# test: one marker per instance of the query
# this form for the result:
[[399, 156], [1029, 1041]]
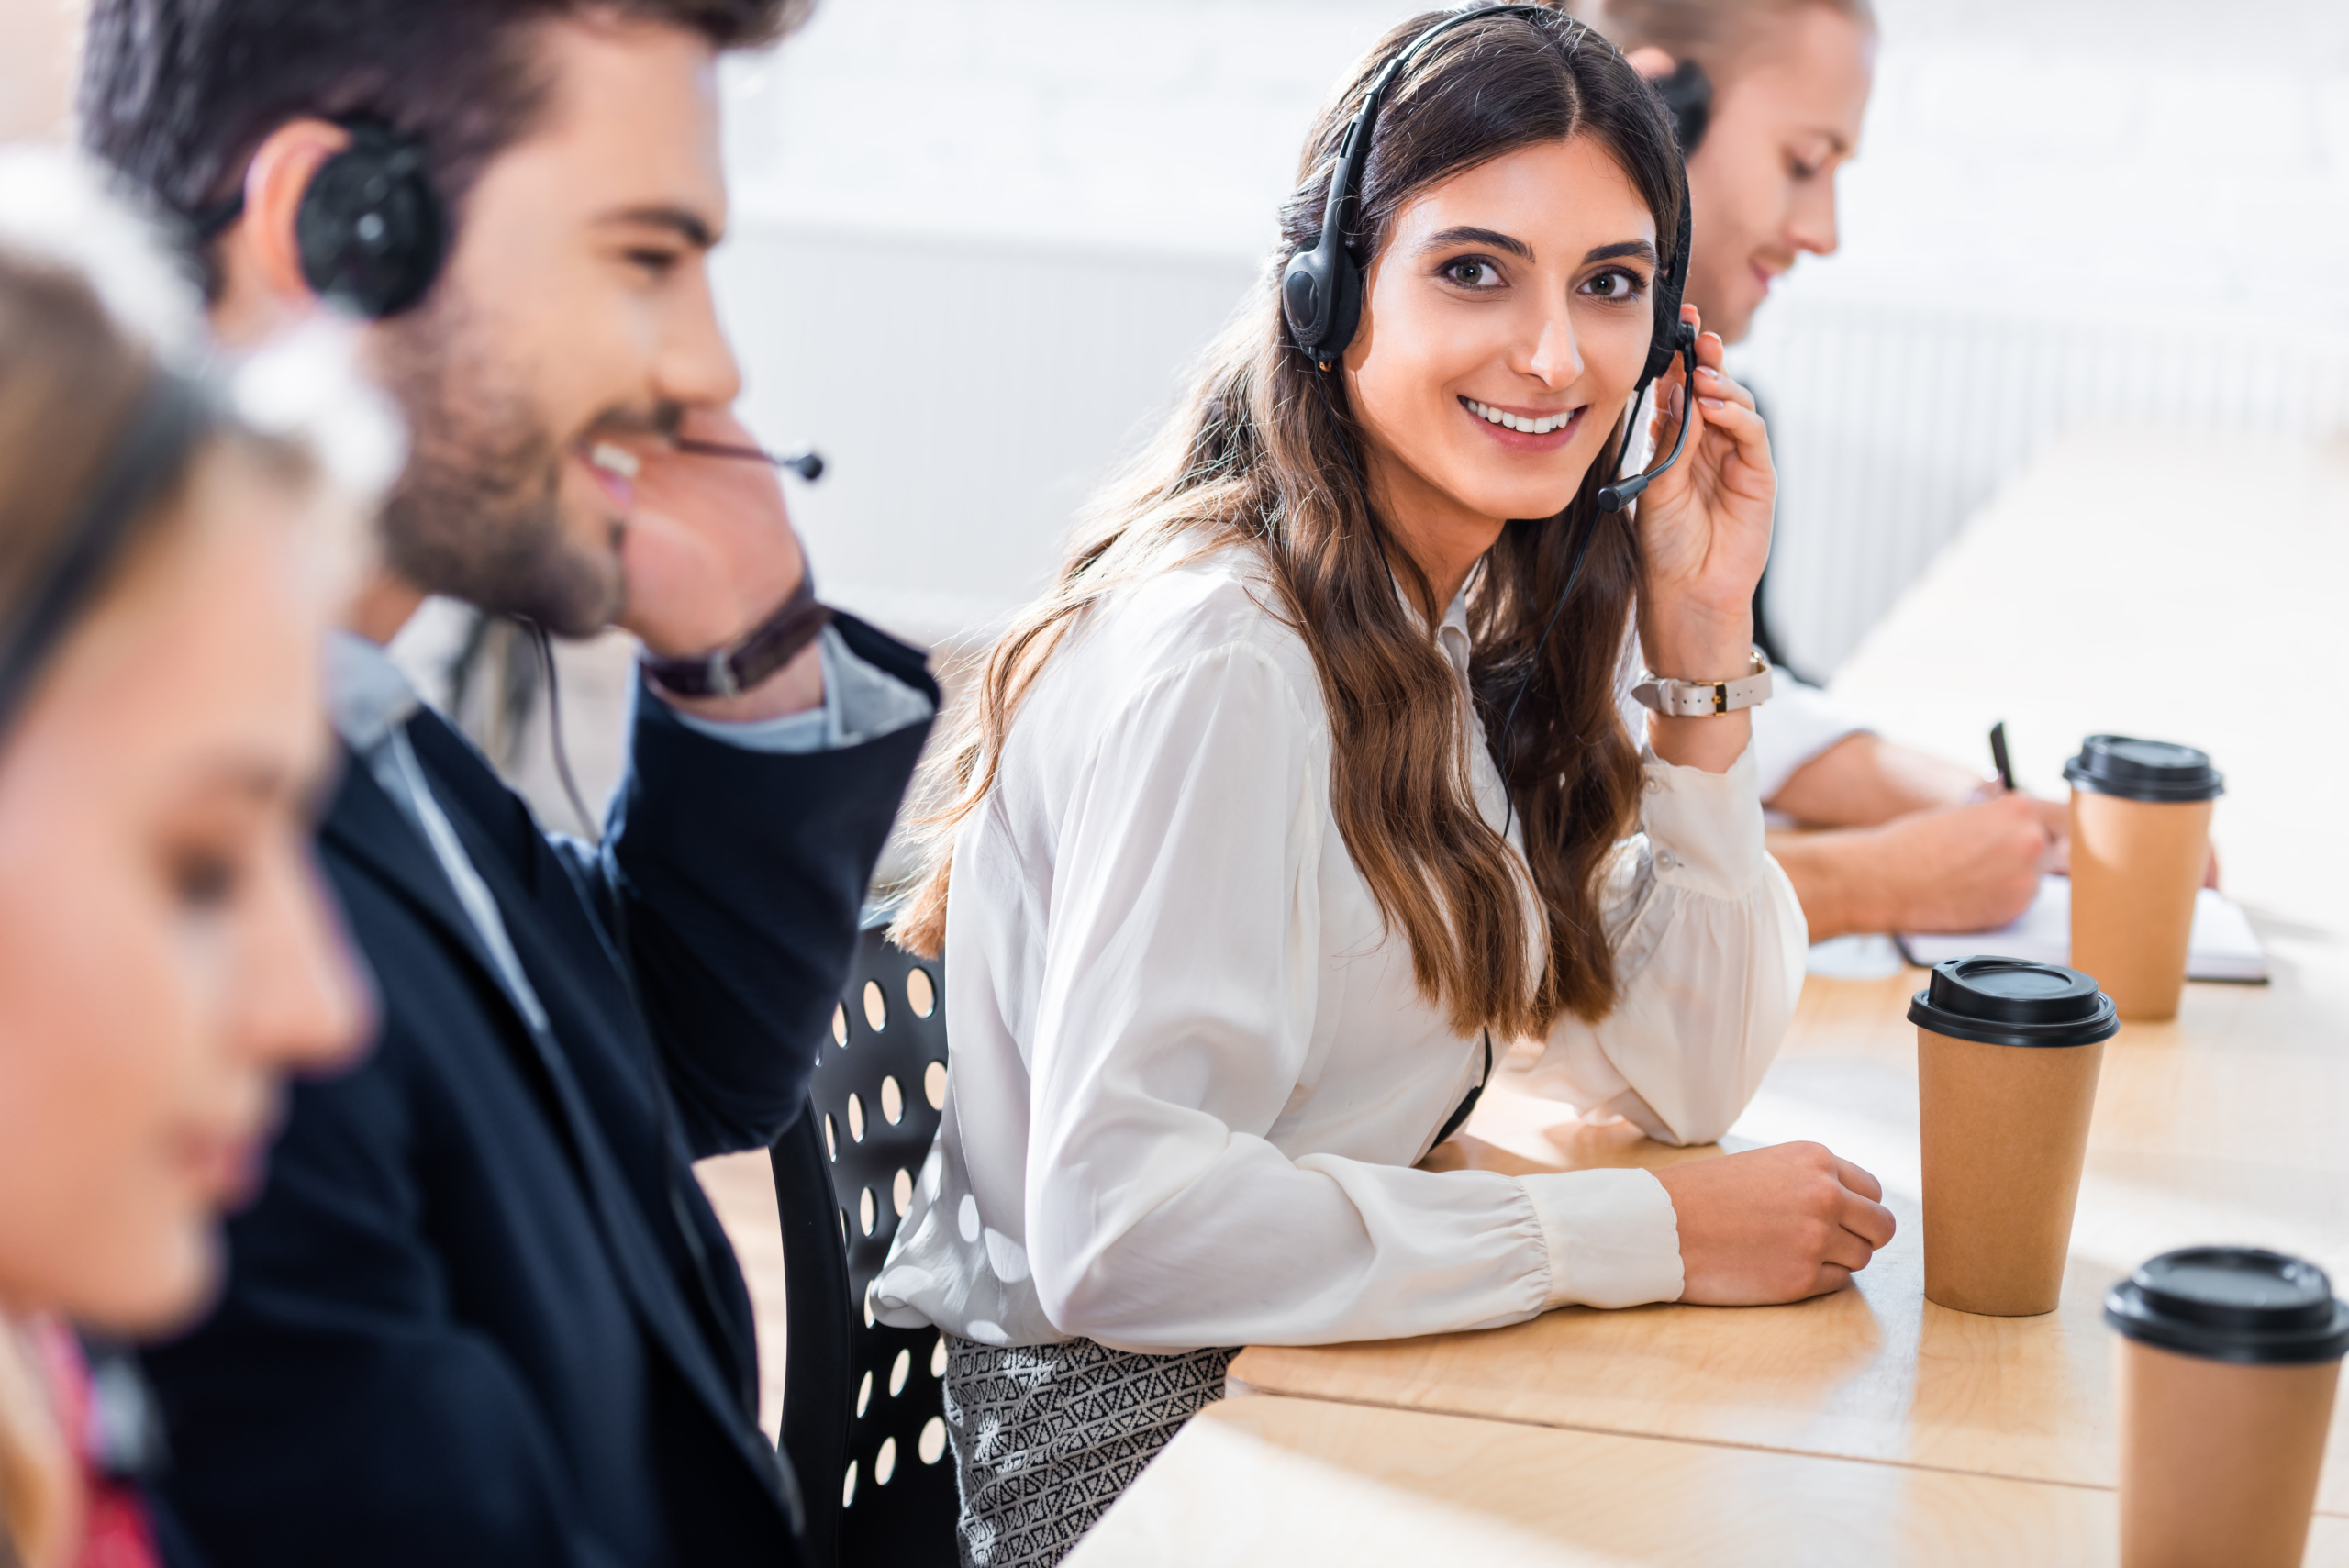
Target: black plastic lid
[[2232, 1304], [2144, 770], [2006, 1001]]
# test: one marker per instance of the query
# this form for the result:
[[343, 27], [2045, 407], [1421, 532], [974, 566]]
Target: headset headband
[[1354, 151], [171, 416]]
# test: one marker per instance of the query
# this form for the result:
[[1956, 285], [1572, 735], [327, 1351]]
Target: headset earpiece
[[1688, 95], [1670, 339], [1321, 286], [1671, 334], [1322, 296], [371, 231]]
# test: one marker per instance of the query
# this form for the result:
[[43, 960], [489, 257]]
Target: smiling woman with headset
[[1304, 793]]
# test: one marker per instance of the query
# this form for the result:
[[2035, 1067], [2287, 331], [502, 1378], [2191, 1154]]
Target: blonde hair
[[1717, 34]]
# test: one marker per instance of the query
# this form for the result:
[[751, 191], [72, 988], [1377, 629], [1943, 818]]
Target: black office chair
[[862, 1403]]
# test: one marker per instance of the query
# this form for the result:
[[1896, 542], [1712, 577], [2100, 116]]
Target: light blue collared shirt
[[371, 702]]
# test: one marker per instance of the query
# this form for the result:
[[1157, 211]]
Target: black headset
[[370, 230], [1687, 95], [1321, 288]]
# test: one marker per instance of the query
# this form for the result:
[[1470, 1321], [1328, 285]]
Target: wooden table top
[[1306, 1482], [2168, 618], [2185, 587], [2194, 1122]]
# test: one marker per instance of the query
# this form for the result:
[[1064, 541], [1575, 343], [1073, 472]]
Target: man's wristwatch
[[1701, 699], [768, 648]]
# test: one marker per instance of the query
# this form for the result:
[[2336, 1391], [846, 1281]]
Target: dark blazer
[[481, 1315]]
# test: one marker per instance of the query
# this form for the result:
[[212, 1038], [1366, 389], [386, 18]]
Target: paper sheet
[[2224, 947]]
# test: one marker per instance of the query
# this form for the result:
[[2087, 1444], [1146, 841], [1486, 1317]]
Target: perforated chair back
[[863, 1402]]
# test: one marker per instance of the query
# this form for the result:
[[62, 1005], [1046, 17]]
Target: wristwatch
[[768, 648], [1701, 699]]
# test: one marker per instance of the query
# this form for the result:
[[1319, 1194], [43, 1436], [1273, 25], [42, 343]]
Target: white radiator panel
[[968, 398]]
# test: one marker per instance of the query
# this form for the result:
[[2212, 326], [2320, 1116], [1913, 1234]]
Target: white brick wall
[[978, 240], [1165, 124], [2138, 156]]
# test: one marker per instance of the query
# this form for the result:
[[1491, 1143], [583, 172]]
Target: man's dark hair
[[177, 93]]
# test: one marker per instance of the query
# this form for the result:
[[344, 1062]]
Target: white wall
[[2069, 212], [980, 237], [978, 242], [967, 395]]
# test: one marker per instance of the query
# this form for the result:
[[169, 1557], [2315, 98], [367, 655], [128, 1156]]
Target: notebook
[[2224, 947]]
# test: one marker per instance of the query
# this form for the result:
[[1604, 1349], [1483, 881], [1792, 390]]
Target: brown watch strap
[[768, 648]]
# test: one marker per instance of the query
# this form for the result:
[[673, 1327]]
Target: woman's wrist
[[1712, 743], [1692, 644]]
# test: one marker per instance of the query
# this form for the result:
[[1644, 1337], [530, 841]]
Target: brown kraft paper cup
[[2003, 1123], [2141, 835], [2221, 1454], [2005, 1130], [2135, 867]]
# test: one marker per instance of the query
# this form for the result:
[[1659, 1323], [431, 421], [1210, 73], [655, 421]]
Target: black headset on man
[[372, 235], [370, 230]]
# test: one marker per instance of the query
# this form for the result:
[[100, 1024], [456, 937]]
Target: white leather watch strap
[[1701, 699]]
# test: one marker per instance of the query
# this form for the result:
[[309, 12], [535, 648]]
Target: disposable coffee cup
[[2227, 1361], [2007, 1060], [2141, 835]]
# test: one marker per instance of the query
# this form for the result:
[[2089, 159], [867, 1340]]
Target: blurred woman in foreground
[[167, 569]]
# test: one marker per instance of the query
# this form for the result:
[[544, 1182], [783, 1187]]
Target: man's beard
[[477, 513]]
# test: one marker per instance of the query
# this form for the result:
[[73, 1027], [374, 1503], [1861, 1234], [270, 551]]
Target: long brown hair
[[1262, 455]]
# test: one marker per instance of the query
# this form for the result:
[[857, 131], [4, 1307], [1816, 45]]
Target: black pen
[[1998, 755]]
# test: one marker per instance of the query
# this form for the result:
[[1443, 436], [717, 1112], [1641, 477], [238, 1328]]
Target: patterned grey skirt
[[1047, 1436]]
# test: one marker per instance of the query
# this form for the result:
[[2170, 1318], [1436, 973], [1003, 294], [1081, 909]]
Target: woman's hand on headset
[[1704, 536]]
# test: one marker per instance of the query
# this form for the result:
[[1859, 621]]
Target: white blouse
[[1191, 1073]]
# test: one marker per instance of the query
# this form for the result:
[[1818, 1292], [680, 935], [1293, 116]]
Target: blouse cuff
[[1612, 1236], [1706, 828]]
